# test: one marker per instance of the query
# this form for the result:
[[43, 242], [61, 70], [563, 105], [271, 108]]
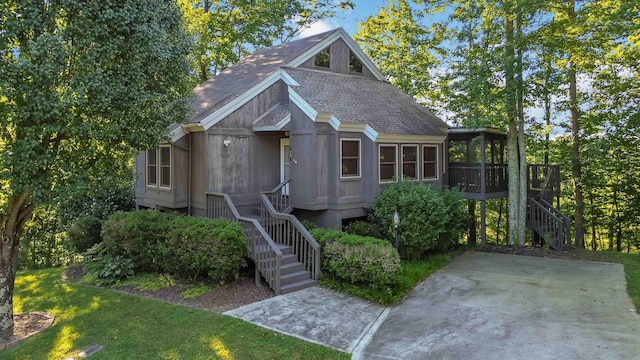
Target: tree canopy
[[83, 86]]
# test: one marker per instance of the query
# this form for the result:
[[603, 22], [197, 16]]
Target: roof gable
[[216, 98]]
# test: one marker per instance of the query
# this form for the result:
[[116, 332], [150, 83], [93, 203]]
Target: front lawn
[[132, 327], [412, 272]]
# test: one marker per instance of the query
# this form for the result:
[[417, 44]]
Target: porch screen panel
[[430, 162], [388, 163], [152, 167], [165, 166], [350, 158], [410, 162]]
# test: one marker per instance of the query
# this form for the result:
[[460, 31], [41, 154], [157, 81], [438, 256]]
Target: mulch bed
[[26, 325]]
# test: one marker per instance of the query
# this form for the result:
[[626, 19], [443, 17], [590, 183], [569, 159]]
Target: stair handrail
[[564, 218], [280, 202], [271, 272], [310, 261]]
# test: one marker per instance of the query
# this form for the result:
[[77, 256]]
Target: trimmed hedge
[[430, 219], [185, 246], [358, 259]]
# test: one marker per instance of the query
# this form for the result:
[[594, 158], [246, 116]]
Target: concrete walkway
[[481, 306]]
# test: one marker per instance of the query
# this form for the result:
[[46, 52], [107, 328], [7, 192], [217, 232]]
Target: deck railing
[[279, 197], [549, 222], [286, 229], [545, 180], [261, 247], [468, 177]]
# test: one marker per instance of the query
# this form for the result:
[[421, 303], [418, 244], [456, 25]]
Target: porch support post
[[483, 222]]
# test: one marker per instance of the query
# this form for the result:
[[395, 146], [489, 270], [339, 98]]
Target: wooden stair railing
[[286, 229], [262, 249], [281, 202], [549, 223]]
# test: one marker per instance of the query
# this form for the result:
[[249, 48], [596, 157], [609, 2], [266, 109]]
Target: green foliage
[[309, 225], [180, 245], [84, 233], [410, 274], [105, 269], [196, 290], [148, 281], [363, 228], [429, 219], [102, 201], [358, 259], [43, 245], [196, 246]]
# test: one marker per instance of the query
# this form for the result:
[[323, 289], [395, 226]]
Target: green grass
[[132, 327], [411, 273]]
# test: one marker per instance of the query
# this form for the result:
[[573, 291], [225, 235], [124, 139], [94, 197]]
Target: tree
[[226, 31], [84, 86]]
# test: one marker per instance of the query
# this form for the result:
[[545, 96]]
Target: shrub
[[104, 269], [309, 225], [136, 235], [43, 243], [84, 233], [196, 246], [358, 259], [363, 228], [180, 245], [429, 218]]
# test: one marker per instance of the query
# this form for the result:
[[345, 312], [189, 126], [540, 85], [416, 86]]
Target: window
[[322, 59], [165, 166], [429, 162], [159, 166], [350, 158], [152, 168], [388, 163], [410, 161], [354, 64]]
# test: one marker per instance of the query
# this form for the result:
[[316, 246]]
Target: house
[[311, 130], [315, 110]]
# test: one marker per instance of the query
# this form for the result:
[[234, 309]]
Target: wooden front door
[[285, 163]]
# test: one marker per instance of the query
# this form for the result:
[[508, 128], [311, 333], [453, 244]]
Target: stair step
[[286, 250], [291, 268], [286, 289], [294, 277]]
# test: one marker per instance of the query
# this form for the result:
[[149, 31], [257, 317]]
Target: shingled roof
[[360, 100], [231, 83]]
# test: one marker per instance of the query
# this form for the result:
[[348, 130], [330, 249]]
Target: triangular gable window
[[354, 64], [322, 59]]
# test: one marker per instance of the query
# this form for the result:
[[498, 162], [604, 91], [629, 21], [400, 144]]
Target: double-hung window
[[159, 167], [349, 158], [410, 161], [429, 162], [388, 163]]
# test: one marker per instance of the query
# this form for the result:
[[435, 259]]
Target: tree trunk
[[19, 211], [576, 167], [522, 158]]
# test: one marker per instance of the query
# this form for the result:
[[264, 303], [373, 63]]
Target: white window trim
[[437, 162], [160, 167], [395, 168], [418, 161], [146, 168], [359, 176]]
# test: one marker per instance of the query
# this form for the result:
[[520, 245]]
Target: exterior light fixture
[[226, 142], [396, 222]]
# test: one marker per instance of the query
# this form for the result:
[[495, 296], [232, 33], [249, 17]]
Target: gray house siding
[[198, 174]]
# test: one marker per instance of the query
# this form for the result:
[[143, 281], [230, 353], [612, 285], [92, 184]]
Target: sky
[[348, 20]]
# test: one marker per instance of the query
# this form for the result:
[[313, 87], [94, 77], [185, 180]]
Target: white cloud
[[318, 27]]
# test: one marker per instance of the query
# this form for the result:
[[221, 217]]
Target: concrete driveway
[[494, 306], [481, 306]]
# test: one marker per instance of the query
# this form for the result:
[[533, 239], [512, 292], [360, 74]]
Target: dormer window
[[355, 65], [322, 59]]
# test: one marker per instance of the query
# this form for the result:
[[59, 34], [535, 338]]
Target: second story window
[[322, 58], [350, 158], [159, 167], [354, 64], [387, 163]]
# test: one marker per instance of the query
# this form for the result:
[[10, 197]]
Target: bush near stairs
[[358, 259], [184, 246]]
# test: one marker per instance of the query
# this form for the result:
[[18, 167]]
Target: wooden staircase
[[285, 254], [548, 224]]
